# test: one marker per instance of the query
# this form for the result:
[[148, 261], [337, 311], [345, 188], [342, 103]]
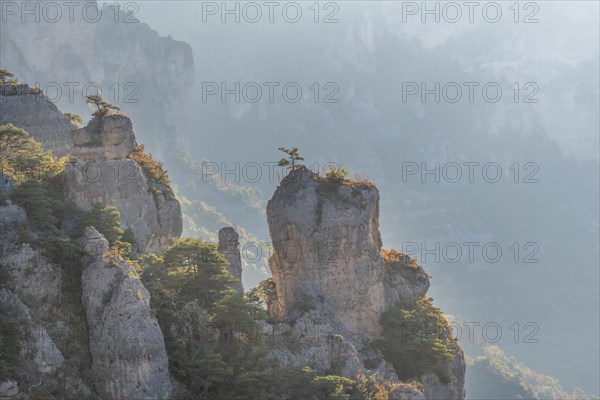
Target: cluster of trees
[[209, 333], [34, 173]]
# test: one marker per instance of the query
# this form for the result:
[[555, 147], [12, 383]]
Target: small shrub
[[336, 174], [73, 118], [151, 167]]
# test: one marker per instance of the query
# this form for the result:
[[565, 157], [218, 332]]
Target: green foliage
[[106, 220], [292, 157], [196, 270], [210, 334], [73, 118], [10, 339], [497, 375], [263, 294], [40, 203], [24, 159], [151, 167], [4, 75], [416, 340], [336, 174], [103, 106]]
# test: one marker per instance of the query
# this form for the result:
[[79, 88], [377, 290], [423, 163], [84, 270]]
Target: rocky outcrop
[[229, 247], [117, 53], [332, 283], [129, 360], [326, 246], [100, 172], [31, 110], [39, 330]]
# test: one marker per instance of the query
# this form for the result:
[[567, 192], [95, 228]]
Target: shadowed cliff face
[[332, 284]]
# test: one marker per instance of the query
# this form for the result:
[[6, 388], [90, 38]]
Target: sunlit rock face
[[332, 283], [101, 172], [326, 251], [129, 360]]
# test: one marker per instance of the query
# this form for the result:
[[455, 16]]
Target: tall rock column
[[129, 359], [326, 251], [332, 283], [229, 246]]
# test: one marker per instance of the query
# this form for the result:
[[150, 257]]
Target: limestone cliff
[[332, 285], [33, 111], [229, 246], [39, 314], [80, 326], [129, 360], [100, 168], [101, 172], [148, 76]]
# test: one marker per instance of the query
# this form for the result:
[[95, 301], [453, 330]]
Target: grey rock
[[455, 389], [129, 360], [104, 138], [229, 247], [12, 219], [326, 246], [8, 389], [332, 284], [27, 272], [40, 359], [130, 62], [6, 184], [38, 115], [100, 172]]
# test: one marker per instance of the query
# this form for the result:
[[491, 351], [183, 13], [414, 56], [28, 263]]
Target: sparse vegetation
[[416, 340], [74, 118], [393, 257], [24, 159], [151, 167], [497, 375], [335, 173], [5, 77], [103, 107], [292, 157]]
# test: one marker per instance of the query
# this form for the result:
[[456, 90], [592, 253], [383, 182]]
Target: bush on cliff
[[24, 159], [34, 173], [106, 220], [150, 166], [416, 340]]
